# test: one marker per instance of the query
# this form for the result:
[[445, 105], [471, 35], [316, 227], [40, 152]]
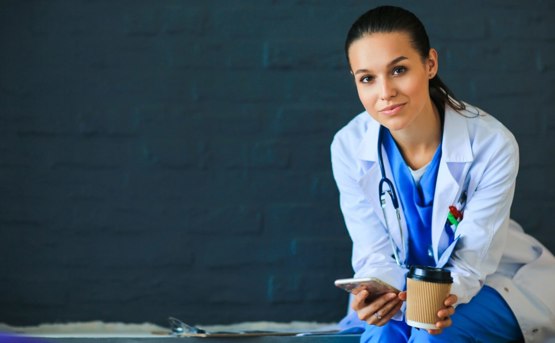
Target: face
[[392, 79]]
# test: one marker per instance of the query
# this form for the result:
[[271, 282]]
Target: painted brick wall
[[172, 157]]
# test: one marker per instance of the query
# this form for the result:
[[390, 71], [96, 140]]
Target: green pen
[[452, 219]]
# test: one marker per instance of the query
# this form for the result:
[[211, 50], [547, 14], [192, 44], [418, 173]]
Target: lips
[[392, 109]]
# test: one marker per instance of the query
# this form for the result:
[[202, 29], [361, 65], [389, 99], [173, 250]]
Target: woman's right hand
[[379, 311]]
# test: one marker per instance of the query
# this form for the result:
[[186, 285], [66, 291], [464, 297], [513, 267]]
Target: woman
[[453, 168]]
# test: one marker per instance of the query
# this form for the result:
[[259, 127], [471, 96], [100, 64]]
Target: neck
[[419, 141]]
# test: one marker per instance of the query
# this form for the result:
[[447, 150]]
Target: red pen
[[456, 213]]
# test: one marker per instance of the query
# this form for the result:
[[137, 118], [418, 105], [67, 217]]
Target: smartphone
[[374, 286]]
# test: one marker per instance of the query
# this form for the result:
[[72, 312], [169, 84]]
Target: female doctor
[[452, 168]]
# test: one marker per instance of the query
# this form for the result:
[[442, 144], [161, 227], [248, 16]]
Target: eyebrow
[[396, 60]]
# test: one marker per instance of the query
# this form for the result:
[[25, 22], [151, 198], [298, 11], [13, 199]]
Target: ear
[[432, 63]]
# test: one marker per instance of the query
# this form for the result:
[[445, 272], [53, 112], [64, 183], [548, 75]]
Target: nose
[[387, 89]]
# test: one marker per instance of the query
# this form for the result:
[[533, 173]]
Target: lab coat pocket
[[447, 253]]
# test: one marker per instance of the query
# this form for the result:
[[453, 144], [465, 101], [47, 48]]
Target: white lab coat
[[479, 158]]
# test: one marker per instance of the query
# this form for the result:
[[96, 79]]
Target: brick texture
[[172, 158]]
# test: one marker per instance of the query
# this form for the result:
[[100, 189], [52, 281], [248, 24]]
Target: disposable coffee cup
[[427, 289]]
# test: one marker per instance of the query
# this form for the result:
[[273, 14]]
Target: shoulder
[[350, 136], [490, 146], [485, 131]]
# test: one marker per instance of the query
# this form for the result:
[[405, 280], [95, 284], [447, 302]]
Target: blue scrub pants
[[486, 318]]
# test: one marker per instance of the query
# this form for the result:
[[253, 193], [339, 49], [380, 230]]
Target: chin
[[393, 124]]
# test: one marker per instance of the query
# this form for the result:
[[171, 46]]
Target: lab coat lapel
[[369, 182], [454, 166]]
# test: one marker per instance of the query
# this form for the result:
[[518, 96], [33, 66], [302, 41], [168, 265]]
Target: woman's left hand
[[444, 313]]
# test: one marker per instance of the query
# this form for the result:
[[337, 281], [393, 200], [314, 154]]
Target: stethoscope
[[386, 188]]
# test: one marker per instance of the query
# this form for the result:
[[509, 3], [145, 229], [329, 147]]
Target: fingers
[[379, 311], [359, 300], [390, 310], [442, 324], [446, 313], [451, 300]]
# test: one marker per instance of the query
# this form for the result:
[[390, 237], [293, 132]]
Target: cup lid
[[430, 274]]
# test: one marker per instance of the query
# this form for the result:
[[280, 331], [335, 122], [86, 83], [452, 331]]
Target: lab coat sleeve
[[372, 253], [484, 228]]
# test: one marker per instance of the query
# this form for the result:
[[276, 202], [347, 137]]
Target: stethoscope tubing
[[395, 202]]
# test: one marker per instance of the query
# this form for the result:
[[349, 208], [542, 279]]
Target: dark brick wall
[[171, 157]]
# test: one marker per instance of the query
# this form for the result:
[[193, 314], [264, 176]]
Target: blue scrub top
[[417, 201]]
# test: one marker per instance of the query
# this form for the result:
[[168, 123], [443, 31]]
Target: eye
[[399, 70], [366, 79]]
